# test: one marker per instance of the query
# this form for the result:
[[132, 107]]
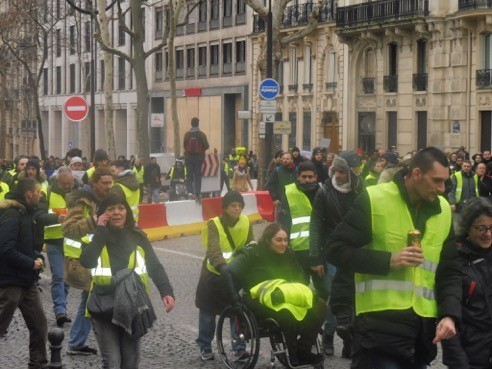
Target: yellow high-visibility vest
[[54, 231], [459, 186], [406, 287], [300, 212], [72, 248], [139, 174], [132, 198], [5, 188]]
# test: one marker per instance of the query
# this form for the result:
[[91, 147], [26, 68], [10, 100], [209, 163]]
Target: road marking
[[180, 253]]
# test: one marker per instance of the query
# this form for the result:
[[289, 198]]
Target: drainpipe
[[468, 87], [345, 122]]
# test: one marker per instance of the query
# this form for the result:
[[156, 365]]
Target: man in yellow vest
[[10, 176], [138, 169], [407, 292], [52, 213], [80, 221], [4, 189], [101, 159], [464, 187], [125, 181], [221, 236]]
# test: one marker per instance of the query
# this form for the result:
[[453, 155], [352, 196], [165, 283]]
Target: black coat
[[17, 240], [400, 333], [472, 349]]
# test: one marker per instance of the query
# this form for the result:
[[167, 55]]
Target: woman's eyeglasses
[[483, 229]]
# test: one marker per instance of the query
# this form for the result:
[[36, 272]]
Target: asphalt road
[[170, 344]]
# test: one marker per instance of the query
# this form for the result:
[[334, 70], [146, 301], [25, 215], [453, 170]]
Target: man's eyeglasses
[[483, 229]]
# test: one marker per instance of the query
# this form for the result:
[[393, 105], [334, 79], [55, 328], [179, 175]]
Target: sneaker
[[241, 355], [207, 354], [61, 319], [82, 351]]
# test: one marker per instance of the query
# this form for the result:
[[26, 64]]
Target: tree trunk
[[42, 147], [108, 82]]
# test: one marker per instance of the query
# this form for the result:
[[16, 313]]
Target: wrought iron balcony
[[292, 88], [330, 86], [381, 11], [474, 4], [298, 15], [420, 82], [307, 87], [390, 83], [484, 78], [368, 85]]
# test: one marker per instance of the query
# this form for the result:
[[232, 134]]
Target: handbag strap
[[228, 234]]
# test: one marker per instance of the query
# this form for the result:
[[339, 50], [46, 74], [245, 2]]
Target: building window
[[190, 62], [58, 43], [72, 45], [484, 75], [143, 22], [58, 9], [45, 81], [390, 81], [121, 32], [87, 36], [240, 57], [420, 78], [58, 80], [214, 60], [293, 132], [227, 9], [332, 72], [392, 128], [214, 14], [308, 66], [159, 26], [202, 16], [202, 61], [179, 63], [87, 76], [306, 130], [293, 63], [121, 74], [158, 66], [103, 71], [227, 58], [72, 78]]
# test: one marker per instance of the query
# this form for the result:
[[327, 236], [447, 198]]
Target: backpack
[[194, 143]]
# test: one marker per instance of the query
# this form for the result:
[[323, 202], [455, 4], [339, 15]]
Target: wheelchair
[[243, 329]]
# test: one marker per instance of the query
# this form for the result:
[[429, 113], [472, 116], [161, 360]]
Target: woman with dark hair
[[484, 181], [119, 254], [321, 169], [472, 348], [477, 159], [284, 298]]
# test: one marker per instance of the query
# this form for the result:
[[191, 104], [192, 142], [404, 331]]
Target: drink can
[[414, 238]]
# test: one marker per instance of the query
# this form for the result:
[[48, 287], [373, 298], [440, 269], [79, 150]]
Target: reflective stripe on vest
[[54, 231], [406, 287], [239, 234], [459, 186], [298, 298], [132, 198], [72, 248], [300, 211]]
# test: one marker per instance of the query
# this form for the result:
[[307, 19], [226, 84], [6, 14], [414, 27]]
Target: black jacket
[[472, 349], [17, 239], [399, 333], [152, 175]]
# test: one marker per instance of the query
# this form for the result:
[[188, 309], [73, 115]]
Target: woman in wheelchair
[[269, 271]]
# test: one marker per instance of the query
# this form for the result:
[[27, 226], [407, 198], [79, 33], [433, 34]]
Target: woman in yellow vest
[[221, 236], [115, 246], [271, 273]]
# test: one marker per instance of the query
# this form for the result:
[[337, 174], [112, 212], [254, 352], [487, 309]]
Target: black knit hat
[[100, 155], [33, 163], [230, 197], [115, 198]]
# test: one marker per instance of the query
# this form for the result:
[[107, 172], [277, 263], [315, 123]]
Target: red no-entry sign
[[76, 108]]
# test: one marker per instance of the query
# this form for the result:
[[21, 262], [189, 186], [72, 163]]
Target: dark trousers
[[29, 303], [308, 328], [194, 177]]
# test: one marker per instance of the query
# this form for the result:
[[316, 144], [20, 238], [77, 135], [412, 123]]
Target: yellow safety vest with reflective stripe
[[298, 298], [72, 248], [459, 186], [406, 287], [300, 212], [239, 234], [132, 198], [5, 188], [44, 187], [171, 173], [90, 172], [54, 231], [139, 174]]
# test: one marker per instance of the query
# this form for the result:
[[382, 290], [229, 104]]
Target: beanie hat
[[391, 156], [316, 150], [33, 163], [115, 198], [76, 159], [100, 155], [230, 197], [351, 157]]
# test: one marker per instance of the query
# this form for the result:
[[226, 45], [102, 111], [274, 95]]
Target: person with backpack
[[195, 144]]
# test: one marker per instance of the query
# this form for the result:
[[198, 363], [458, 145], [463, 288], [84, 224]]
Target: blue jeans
[[194, 177], [81, 327], [382, 361], [153, 195], [206, 332], [118, 349], [59, 289]]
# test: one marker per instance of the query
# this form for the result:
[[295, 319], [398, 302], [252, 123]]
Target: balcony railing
[[190, 28], [330, 86], [307, 87], [298, 15], [227, 69], [202, 26], [190, 72], [474, 4], [484, 78], [381, 11], [420, 82], [368, 85], [202, 71], [227, 21], [240, 67], [292, 88], [390, 83], [241, 18]]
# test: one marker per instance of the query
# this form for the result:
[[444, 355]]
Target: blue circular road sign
[[269, 89]]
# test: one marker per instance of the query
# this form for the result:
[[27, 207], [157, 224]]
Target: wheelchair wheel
[[279, 348], [238, 339]]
